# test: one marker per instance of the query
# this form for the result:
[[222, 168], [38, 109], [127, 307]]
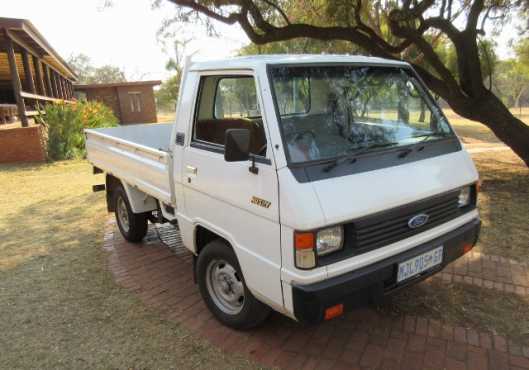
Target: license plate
[[418, 264]]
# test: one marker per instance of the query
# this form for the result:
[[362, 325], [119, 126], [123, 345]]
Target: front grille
[[391, 226], [381, 229]]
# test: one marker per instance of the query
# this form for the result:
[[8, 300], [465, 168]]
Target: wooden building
[[32, 75], [132, 102], [31, 72]]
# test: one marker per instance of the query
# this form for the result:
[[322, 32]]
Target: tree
[[512, 77], [402, 29], [89, 74], [174, 41], [168, 93]]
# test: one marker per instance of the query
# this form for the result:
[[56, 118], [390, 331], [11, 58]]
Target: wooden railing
[[40, 98]]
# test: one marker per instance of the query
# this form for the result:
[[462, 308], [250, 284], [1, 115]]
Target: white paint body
[[207, 191]]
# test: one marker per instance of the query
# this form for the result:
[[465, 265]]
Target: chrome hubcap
[[225, 287], [123, 215]]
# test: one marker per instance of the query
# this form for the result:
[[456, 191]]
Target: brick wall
[[147, 112], [24, 144], [130, 102]]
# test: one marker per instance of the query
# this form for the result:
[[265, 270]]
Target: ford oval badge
[[418, 220]]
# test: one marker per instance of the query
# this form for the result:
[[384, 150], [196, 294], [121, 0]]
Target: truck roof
[[255, 61]]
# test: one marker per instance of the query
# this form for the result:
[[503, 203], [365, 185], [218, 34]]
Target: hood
[[340, 199]]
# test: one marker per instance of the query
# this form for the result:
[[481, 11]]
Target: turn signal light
[[304, 240], [304, 249], [334, 311]]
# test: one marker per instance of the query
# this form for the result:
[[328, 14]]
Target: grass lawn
[[504, 197], [504, 204], [59, 306]]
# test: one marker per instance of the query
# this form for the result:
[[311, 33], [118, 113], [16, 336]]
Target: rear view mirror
[[237, 145]]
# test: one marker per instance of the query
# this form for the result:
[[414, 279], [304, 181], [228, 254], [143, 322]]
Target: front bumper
[[371, 283]]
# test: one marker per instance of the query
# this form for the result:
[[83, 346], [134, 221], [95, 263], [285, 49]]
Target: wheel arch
[[139, 201], [202, 236]]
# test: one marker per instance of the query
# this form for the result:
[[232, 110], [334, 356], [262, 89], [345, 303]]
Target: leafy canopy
[[90, 74]]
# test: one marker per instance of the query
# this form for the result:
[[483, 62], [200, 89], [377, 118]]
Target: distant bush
[[65, 124]]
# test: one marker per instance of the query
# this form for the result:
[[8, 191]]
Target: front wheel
[[133, 226], [222, 287]]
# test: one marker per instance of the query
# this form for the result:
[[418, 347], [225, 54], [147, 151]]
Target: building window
[[135, 102]]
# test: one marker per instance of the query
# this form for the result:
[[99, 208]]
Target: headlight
[[465, 197], [329, 240]]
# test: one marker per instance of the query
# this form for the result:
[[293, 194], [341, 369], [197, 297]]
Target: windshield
[[329, 111]]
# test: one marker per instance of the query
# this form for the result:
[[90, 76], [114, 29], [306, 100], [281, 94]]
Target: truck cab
[[306, 184]]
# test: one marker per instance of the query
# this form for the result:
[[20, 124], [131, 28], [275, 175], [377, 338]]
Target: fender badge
[[260, 202]]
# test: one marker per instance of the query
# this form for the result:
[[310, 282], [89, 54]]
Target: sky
[[124, 35]]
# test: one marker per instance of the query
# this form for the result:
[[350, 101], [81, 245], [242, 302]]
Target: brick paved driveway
[[160, 273]]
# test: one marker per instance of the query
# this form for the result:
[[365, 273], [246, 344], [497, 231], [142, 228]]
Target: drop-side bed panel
[[145, 167]]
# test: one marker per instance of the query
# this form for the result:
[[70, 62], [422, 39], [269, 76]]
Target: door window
[[228, 102]]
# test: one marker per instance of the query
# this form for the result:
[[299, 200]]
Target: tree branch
[[473, 16], [230, 19]]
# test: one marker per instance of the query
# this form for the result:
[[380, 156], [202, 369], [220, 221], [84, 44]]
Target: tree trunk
[[509, 129]]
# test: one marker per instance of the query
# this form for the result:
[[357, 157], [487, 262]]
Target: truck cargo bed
[[136, 154]]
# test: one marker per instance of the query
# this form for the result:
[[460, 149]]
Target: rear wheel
[[133, 226], [223, 288]]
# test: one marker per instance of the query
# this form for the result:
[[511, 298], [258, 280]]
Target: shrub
[[65, 124]]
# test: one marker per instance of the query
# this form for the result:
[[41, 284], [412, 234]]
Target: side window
[[236, 98], [228, 102]]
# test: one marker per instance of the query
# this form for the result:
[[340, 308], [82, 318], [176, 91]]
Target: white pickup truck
[[306, 184]]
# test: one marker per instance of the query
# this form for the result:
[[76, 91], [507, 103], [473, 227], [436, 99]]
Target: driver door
[[226, 197]]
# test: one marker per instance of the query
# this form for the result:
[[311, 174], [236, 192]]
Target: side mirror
[[237, 145]]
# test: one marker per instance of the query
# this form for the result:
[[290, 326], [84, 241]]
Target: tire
[[222, 285], [133, 226]]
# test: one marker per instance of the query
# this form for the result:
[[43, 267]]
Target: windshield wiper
[[425, 137], [353, 153]]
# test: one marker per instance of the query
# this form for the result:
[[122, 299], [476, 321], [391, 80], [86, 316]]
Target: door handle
[[191, 170]]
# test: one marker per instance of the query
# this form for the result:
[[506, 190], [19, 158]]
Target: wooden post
[[49, 85], [70, 90], [63, 87], [54, 84], [41, 89], [15, 79], [30, 83], [59, 86]]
